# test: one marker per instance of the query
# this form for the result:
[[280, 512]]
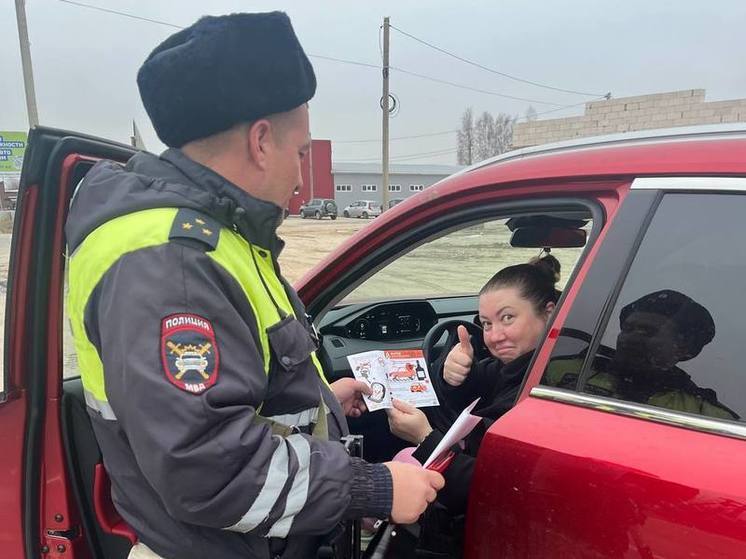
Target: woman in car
[[514, 307]]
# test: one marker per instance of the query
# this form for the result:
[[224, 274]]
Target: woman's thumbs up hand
[[459, 361]]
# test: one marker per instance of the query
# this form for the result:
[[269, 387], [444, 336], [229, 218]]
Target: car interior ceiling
[[83, 454]]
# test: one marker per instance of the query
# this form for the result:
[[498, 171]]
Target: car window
[[576, 334], [458, 263], [674, 338]]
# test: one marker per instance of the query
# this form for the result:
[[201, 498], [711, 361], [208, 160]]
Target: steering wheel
[[443, 416], [451, 327]]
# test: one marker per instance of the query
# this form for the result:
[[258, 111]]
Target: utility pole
[[28, 75], [385, 111], [136, 138], [310, 170]]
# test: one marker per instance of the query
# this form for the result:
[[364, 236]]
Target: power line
[[343, 61], [173, 25], [492, 70], [401, 157], [124, 14], [454, 131], [322, 57], [565, 107], [430, 154], [453, 84], [397, 138], [380, 42], [398, 159], [351, 62]]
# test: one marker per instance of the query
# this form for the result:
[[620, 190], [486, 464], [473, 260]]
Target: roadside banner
[[12, 150]]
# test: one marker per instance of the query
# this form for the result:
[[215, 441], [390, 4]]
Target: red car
[[595, 459]]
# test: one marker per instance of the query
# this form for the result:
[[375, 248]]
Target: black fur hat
[[693, 321], [221, 71]]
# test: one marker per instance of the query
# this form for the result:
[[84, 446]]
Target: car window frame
[[659, 186], [454, 220]]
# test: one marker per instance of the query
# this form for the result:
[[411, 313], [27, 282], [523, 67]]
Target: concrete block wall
[[626, 114]]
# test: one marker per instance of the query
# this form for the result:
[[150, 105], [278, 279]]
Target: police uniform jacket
[[186, 333]]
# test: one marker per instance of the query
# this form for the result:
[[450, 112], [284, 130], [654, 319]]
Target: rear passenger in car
[[514, 307]]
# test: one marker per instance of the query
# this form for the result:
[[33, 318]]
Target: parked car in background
[[318, 208], [393, 202], [363, 208], [627, 437]]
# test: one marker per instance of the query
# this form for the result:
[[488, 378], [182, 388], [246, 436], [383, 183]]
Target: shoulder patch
[[191, 224], [189, 352]]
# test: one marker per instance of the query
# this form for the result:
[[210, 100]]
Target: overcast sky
[[85, 61]]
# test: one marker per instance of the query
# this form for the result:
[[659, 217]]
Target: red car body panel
[[563, 481], [59, 510], [14, 410]]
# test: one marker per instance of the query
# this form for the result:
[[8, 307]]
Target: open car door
[[48, 457]]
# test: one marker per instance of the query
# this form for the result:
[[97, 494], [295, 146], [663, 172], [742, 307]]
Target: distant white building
[[362, 181]]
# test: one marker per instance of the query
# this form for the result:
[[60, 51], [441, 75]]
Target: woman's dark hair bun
[[547, 264], [535, 281]]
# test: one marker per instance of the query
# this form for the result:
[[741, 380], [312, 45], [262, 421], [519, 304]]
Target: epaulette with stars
[[191, 224]]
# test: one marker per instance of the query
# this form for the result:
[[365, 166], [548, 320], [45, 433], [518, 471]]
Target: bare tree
[[466, 138], [531, 113], [484, 136], [487, 137], [503, 133]]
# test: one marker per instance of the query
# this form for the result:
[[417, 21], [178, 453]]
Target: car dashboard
[[360, 327]]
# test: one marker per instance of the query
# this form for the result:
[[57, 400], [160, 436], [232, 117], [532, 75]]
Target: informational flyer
[[401, 374]]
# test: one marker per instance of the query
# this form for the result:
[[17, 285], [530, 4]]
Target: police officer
[[216, 425]]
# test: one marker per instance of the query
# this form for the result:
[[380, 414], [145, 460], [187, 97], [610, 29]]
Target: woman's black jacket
[[497, 385]]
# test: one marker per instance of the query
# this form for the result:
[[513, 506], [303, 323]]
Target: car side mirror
[[553, 237]]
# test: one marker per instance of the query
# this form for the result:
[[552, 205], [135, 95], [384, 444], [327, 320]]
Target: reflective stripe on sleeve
[[99, 406], [277, 475], [300, 419], [299, 491]]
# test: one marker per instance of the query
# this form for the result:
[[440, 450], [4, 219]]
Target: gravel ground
[[307, 241]]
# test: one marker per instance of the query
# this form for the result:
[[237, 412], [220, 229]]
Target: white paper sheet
[[463, 425]]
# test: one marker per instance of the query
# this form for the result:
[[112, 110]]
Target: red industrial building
[[317, 175]]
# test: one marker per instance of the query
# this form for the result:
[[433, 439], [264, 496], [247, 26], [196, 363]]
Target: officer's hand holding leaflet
[[349, 392]]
